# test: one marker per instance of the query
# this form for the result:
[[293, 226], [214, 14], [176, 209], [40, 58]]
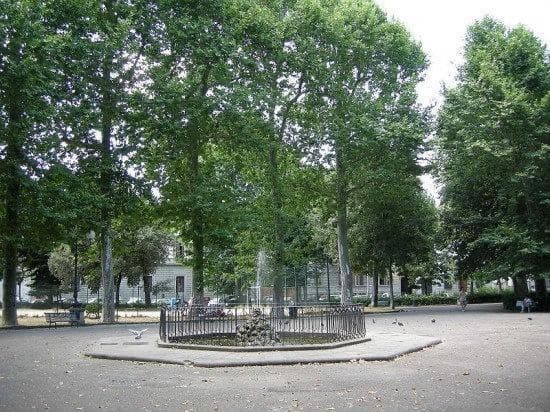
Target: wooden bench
[[59, 317]]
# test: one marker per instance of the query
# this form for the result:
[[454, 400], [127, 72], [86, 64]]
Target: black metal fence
[[293, 324]]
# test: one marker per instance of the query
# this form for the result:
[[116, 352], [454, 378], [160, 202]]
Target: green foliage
[[492, 158], [61, 265], [362, 301], [93, 309], [425, 300], [509, 299], [161, 287], [486, 295]]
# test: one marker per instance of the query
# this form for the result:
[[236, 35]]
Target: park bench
[[59, 317], [520, 305]]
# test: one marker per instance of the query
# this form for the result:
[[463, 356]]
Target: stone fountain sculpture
[[257, 331]]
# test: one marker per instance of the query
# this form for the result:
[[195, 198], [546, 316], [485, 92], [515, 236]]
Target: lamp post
[[76, 309]]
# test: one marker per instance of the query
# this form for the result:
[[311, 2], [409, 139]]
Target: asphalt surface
[[489, 360]]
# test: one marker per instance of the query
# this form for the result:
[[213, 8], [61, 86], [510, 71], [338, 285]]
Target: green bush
[[509, 299], [425, 300], [485, 295], [362, 301], [93, 308]]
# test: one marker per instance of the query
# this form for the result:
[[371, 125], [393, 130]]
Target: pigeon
[[400, 324], [433, 320], [394, 321], [138, 333], [530, 318], [373, 321]]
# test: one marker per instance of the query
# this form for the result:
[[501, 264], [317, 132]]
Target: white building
[[177, 278]]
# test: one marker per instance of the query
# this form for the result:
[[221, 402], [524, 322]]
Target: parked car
[[134, 300], [173, 302], [216, 302]]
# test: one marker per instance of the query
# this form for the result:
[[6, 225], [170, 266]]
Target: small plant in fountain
[[257, 331]]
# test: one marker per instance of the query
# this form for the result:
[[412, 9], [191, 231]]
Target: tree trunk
[[118, 282], [278, 226], [405, 287], [197, 223], [198, 260], [540, 293], [374, 301], [390, 274], [328, 279], [520, 286], [108, 312], [540, 286], [342, 229], [147, 290], [75, 273], [197, 236], [107, 109], [12, 166]]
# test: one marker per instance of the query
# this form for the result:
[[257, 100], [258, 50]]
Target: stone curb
[[288, 348], [337, 355]]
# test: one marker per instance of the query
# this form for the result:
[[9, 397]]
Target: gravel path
[[489, 360]]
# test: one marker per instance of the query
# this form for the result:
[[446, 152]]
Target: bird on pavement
[[400, 324], [433, 320], [138, 333], [394, 321], [373, 321], [530, 318]]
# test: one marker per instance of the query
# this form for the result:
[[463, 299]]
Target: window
[[360, 280], [383, 280]]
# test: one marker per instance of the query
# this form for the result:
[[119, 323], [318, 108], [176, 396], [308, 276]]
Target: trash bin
[[77, 314]]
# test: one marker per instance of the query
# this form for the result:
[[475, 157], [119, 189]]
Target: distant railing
[[329, 323]]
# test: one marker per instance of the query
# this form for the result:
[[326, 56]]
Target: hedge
[[482, 296]]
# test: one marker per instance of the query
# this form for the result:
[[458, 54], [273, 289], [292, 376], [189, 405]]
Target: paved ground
[[489, 359]]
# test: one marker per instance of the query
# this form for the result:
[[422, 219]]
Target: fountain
[[261, 324]]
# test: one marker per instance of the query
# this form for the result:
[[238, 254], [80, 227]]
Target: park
[[245, 204]]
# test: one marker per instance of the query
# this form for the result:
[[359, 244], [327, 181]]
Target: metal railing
[[329, 323]]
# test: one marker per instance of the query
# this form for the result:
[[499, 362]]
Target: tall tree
[[368, 61], [189, 67], [31, 39], [492, 147], [109, 39]]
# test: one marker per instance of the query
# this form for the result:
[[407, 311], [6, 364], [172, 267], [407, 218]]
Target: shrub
[[425, 300], [485, 295], [93, 309], [365, 301], [509, 299]]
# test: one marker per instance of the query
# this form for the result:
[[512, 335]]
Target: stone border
[[381, 347], [281, 348]]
